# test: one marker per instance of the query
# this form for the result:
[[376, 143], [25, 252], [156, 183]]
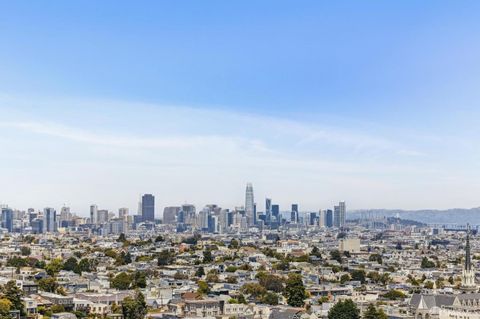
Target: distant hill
[[428, 216]]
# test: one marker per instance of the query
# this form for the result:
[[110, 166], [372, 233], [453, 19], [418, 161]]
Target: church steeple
[[468, 274], [468, 261]]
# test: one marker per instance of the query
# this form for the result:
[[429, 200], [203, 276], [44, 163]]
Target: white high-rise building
[[65, 216], [321, 217], [339, 214], [250, 205], [93, 214], [123, 216], [102, 216], [123, 213]]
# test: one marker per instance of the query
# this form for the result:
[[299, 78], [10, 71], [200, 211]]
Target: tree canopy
[[344, 310]]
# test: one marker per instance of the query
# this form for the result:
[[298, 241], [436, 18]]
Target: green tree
[[283, 265], [316, 252], [344, 310], [270, 281], [16, 262], [122, 238], [121, 281], [426, 263], [439, 283], [241, 299], [25, 251], [57, 308], [231, 269], [111, 253], [165, 258], [134, 308], [124, 258], [200, 272], [344, 278], [48, 284], [139, 279], [376, 257], [14, 295], [255, 290], [270, 298], [373, 313], [428, 284], [335, 255], [234, 244], [54, 266], [295, 290], [203, 287], [207, 256], [71, 264], [359, 275], [394, 295], [5, 307]]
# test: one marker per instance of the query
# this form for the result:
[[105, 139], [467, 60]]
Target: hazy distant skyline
[[372, 103]]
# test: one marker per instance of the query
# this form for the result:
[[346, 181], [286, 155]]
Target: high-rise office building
[[312, 219], [65, 217], [170, 214], [276, 212], [123, 217], [336, 216], [102, 216], [203, 217], [7, 218], [250, 205], [49, 220], [148, 208], [268, 210], [93, 214], [189, 213], [321, 217], [294, 214], [123, 213], [343, 213], [329, 218], [339, 213], [37, 226], [32, 215]]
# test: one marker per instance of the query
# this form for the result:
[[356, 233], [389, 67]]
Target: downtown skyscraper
[[339, 214], [250, 205], [148, 208]]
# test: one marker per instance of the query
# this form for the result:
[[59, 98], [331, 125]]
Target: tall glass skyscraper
[[250, 205], [329, 218], [7, 218], [268, 210], [49, 220], [294, 214], [339, 215], [148, 208]]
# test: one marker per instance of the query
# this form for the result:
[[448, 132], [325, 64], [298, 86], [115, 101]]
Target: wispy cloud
[[181, 150], [118, 140]]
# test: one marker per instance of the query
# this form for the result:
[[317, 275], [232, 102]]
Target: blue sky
[[372, 102]]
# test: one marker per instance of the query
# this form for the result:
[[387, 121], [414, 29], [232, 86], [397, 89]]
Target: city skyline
[[239, 159], [315, 103], [159, 211]]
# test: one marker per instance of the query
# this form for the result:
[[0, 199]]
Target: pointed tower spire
[[468, 274], [468, 261]]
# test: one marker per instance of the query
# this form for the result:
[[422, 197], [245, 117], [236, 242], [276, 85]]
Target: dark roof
[[431, 301]]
